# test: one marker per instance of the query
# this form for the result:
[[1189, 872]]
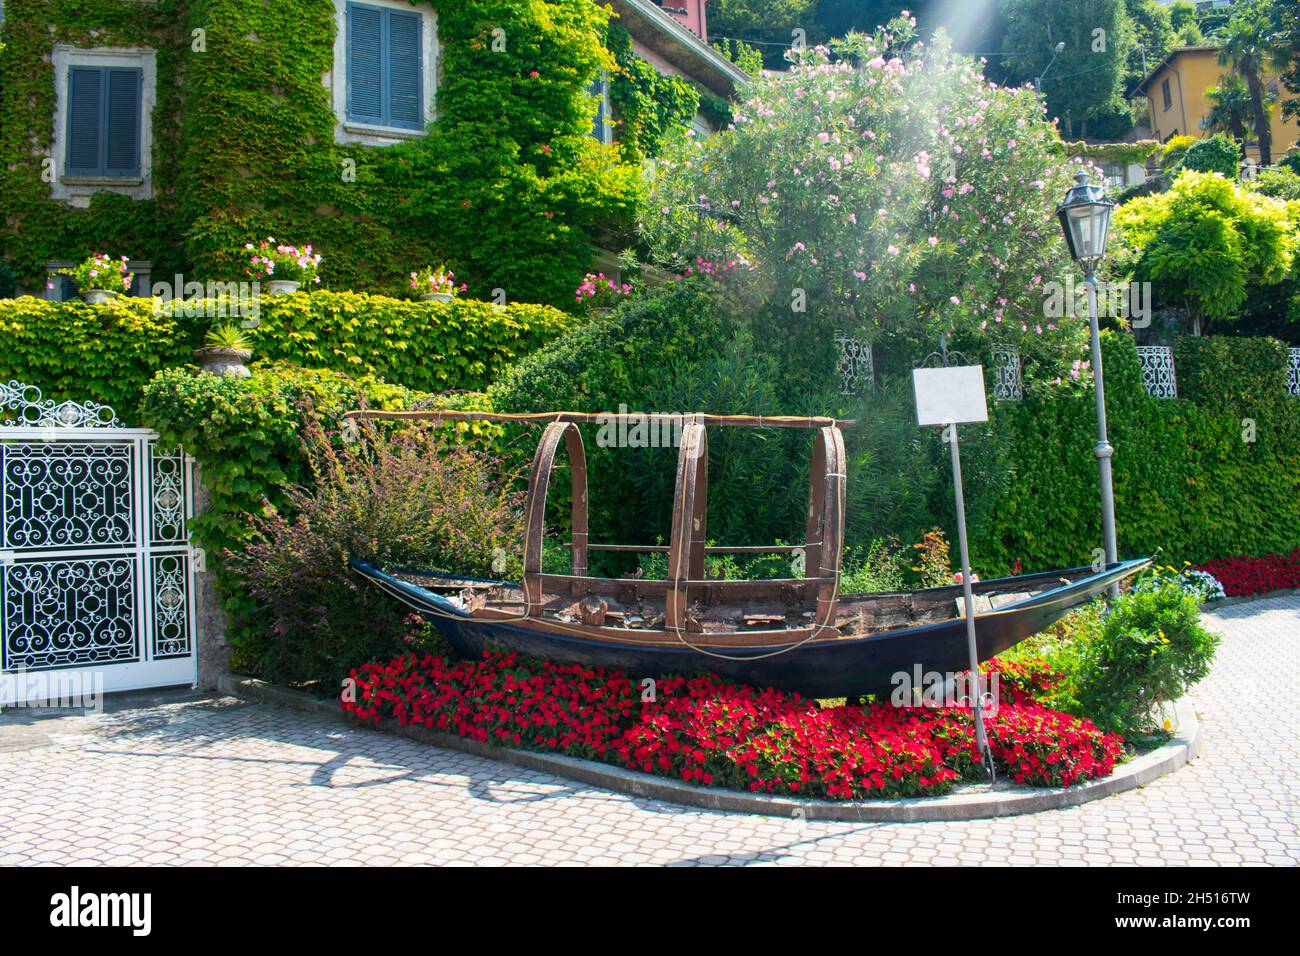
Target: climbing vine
[[647, 104], [506, 186]]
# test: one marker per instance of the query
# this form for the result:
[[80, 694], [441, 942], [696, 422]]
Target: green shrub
[[1117, 664], [1149, 651], [403, 497], [245, 435], [1280, 183], [879, 567], [1217, 154], [1204, 244], [847, 208], [1232, 374], [1172, 153], [427, 346], [683, 349]]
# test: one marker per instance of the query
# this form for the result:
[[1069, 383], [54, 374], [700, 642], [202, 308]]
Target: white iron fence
[[96, 569], [855, 365], [1008, 383], [1158, 370]]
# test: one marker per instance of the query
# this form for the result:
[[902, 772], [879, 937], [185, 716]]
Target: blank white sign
[[952, 395]]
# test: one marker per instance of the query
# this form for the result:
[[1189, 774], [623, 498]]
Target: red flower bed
[[1242, 576], [712, 732]]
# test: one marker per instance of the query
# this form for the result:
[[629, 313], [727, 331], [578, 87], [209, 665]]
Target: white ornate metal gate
[[96, 570]]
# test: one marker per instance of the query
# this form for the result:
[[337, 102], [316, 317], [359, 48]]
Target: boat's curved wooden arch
[[539, 481]]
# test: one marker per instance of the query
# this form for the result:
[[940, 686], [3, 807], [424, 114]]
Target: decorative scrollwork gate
[[96, 569]]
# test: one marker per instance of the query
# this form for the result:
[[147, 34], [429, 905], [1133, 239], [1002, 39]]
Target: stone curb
[[1002, 800], [1248, 598]]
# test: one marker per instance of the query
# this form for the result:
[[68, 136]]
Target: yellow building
[[1176, 100]]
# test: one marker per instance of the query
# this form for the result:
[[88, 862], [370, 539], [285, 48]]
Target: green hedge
[[429, 346], [103, 353], [107, 353], [1187, 479]]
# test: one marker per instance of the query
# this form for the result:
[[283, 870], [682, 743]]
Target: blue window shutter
[[403, 69], [597, 89], [85, 119], [365, 63], [122, 122]]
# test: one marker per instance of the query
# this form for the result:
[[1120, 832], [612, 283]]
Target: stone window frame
[[336, 78], [76, 190]]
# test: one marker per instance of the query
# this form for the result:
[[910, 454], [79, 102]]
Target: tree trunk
[[1263, 133]]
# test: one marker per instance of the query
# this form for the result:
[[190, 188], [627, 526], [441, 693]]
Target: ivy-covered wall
[[35, 228], [507, 186]]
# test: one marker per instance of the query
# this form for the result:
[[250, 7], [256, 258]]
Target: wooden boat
[[796, 634]]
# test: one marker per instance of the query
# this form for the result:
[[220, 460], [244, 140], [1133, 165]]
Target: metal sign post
[[949, 396]]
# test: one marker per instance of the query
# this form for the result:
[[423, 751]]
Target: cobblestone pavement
[[206, 780]]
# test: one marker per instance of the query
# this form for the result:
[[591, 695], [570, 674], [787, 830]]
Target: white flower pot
[[283, 286], [436, 297], [97, 296]]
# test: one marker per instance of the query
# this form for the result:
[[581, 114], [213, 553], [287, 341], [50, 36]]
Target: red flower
[[712, 732]]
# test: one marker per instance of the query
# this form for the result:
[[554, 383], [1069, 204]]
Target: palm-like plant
[[1231, 110], [1246, 47]]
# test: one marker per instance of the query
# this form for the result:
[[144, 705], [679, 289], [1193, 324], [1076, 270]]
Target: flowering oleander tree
[[880, 186]]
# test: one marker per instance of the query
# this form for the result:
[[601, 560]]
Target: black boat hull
[[843, 667]]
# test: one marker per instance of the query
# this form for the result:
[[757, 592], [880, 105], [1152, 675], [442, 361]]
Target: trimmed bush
[[108, 353], [103, 353], [1214, 473], [427, 346], [1217, 154]]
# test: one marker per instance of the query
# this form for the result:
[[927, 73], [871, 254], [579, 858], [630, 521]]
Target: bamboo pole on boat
[[604, 418]]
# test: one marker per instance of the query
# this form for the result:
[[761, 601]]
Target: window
[[1114, 173], [104, 108], [602, 127], [384, 67], [101, 138], [1166, 94]]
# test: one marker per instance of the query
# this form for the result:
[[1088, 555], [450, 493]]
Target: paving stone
[[224, 783]]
